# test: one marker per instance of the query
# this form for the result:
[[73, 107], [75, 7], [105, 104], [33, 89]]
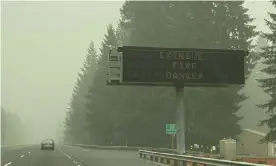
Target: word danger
[[184, 75]]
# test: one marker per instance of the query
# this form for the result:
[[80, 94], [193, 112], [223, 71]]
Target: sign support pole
[[172, 142], [4, 130], [180, 111]]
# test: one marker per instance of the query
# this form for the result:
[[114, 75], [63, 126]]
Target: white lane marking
[[21, 156], [8, 164], [74, 161], [29, 152], [67, 155]]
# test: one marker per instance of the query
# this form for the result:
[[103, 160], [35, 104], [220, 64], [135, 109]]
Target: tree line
[[136, 116], [12, 129], [269, 84]]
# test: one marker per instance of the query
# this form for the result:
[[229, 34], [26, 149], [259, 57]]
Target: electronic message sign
[[147, 65]]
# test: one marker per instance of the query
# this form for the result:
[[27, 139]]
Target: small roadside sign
[[171, 129]]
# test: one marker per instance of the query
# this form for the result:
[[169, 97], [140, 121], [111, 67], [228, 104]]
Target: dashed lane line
[[67, 155], [8, 164], [11, 162], [78, 163], [74, 161]]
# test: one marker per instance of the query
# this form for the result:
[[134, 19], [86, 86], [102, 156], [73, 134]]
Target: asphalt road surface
[[31, 155]]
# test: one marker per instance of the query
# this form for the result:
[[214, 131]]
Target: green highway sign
[[171, 129]]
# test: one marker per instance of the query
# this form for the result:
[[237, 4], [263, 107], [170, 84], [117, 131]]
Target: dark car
[[47, 144]]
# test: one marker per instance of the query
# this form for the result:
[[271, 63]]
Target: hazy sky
[[44, 45]]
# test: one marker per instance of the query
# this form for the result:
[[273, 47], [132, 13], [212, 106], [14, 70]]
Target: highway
[[31, 155]]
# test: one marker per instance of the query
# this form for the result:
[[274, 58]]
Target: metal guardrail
[[167, 156], [183, 160], [165, 150]]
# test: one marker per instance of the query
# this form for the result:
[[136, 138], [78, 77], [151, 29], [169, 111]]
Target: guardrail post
[[151, 157], [176, 162], [183, 163], [168, 161], [164, 161], [156, 158], [159, 160]]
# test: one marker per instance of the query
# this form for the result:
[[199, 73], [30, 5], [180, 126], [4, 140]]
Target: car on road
[[48, 144]]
